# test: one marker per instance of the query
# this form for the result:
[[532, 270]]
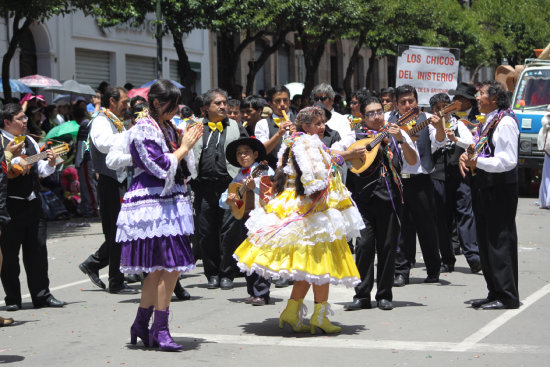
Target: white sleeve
[[44, 169], [505, 139], [119, 155], [102, 134], [465, 139], [261, 131], [436, 144]]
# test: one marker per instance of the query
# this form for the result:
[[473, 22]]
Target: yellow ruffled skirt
[[293, 237]]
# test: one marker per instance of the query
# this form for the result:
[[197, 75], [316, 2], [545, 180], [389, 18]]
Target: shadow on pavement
[[270, 327], [6, 358], [188, 344]]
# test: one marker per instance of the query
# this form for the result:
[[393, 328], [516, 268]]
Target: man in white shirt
[[325, 94], [418, 194], [27, 228], [106, 132], [271, 130], [453, 196], [494, 167]]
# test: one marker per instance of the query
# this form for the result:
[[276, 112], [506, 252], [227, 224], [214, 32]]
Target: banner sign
[[430, 70]]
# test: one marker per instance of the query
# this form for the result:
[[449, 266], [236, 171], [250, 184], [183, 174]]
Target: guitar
[[413, 128], [245, 202], [372, 144], [471, 152], [16, 169]]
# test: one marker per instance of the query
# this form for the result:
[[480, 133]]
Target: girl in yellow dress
[[302, 233]]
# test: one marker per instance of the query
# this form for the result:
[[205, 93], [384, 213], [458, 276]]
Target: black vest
[[446, 160], [423, 144], [23, 185], [483, 179], [272, 156]]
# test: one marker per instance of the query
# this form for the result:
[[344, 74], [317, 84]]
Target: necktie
[[216, 125], [245, 171]]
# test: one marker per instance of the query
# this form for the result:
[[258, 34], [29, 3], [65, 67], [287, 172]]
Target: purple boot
[[159, 335], [140, 327]]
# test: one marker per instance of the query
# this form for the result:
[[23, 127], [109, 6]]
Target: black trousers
[[380, 237], [453, 199], [109, 195], [208, 223], [495, 214], [419, 217], [232, 234], [27, 229]]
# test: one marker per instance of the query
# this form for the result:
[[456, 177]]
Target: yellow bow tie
[[216, 125], [277, 121]]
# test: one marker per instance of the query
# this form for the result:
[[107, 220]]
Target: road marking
[[340, 342], [489, 328], [68, 285]]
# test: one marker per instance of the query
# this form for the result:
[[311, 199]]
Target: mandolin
[[245, 202], [360, 165], [413, 128], [16, 169]]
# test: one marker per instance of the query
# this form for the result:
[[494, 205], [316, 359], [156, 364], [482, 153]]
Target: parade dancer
[[156, 218], [302, 233]]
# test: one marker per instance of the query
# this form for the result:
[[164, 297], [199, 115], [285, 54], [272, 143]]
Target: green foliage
[[38, 10]]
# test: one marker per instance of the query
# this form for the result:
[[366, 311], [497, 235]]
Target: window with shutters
[[139, 69], [92, 67]]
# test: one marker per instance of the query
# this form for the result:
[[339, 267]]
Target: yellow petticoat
[[314, 248]]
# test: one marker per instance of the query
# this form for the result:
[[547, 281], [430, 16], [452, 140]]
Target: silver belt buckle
[[405, 175]]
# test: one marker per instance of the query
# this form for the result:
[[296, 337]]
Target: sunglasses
[[322, 99]]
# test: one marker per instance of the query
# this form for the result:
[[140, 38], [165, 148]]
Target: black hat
[[255, 144], [465, 90], [320, 104]]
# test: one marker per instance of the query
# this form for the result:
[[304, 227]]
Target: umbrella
[[295, 88], [148, 84], [138, 92], [72, 87], [65, 131], [39, 81], [16, 87]]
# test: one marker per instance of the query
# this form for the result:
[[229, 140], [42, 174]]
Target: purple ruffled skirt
[[154, 230]]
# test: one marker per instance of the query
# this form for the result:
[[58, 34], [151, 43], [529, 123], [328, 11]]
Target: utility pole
[[159, 39]]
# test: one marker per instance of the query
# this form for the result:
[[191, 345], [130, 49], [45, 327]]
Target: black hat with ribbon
[[465, 90], [255, 144]]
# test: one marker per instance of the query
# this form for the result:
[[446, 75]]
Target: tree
[[24, 13]]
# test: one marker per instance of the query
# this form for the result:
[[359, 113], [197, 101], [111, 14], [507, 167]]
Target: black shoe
[[282, 283], [93, 275], [258, 301], [400, 281], [358, 304], [431, 280], [457, 251], [447, 268], [53, 302], [475, 267], [493, 305], [12, 308], [226, 284], [181, 293], [124, 289], [385, 305], [131, 278], [213, 282], [479, 302]]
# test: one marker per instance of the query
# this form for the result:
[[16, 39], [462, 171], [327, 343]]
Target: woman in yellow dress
[[302, 233]]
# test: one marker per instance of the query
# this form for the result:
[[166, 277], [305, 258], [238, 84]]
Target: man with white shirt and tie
[[106, 132], [271, 130], [211, 176], [494, 169], [419, 216]]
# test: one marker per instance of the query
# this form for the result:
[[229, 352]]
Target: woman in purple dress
[[156, 217]]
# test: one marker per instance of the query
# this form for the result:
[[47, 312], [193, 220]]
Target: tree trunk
[[476, 70], [370, 72], [351, 65], [255, 66], [6, 60], [313, 51], [187, 75]]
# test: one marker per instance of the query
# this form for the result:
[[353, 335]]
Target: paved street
[[431, 325]]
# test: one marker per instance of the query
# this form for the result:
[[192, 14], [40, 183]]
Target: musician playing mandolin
[[378, 196], [27, 228], [244, 153]]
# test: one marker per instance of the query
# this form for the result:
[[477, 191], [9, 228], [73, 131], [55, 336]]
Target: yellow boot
[[319, 319], [293, 315]]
